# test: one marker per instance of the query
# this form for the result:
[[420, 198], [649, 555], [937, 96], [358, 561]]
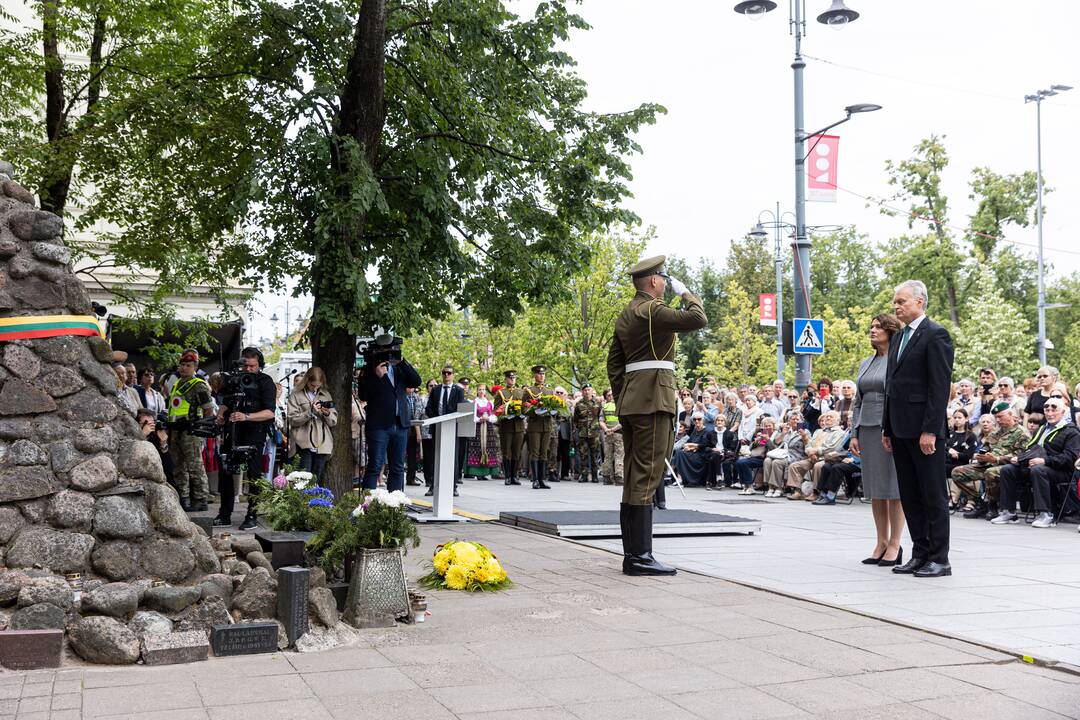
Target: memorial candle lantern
[[75, 581]]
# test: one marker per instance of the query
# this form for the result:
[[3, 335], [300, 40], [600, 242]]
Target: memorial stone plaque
[[244, 639], [285, 548], [206, 523], [172, 648], [31, 649], [341, 593], [292, 601]]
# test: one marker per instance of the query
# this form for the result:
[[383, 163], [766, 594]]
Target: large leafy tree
[[741, 353], [995, 333]]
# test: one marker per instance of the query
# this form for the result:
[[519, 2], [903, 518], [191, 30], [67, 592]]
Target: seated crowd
[[1012, 448]]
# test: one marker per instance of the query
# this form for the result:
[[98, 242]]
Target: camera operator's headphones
[[258, 354]]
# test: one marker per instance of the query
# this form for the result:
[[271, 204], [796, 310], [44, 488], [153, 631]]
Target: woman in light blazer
[[312, 417], [878, 471]]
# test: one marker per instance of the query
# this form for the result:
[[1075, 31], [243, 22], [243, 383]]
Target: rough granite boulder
[[140, 460], [95, 474], [117, 560], [149, 622], [11, 583], [26, 483], [121, 517], [96, 440], [62, 382], [11, 520], [169, 560], [49, 589], [24, 452], [114, 599], [257, 595], [19, 397], [205, 557], [171, 599], [55, 550], [203, 616], [105, 640], [164, 506], [323, 606], [71, 509], [43, 616]]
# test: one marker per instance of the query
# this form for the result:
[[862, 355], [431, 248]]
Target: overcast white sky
[[724, 151]]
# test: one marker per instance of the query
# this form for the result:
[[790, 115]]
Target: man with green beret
[[999, 449], [511, 429], [539, 427], [641, 368]]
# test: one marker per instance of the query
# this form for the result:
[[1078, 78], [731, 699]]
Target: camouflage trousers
[[966, 478], [189, 472], [613, 458]]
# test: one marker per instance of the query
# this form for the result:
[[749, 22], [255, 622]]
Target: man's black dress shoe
[[910, 566], [934, 569]]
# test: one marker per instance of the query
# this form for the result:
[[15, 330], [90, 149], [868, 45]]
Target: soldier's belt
[[650, 365]]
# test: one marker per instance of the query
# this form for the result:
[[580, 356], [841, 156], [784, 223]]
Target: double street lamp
[[837, 16], [1037, 98]]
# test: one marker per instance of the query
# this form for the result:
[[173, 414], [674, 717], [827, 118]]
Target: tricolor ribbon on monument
[[42, 326]]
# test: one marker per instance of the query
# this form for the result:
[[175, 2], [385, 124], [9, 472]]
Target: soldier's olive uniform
[[187, 401], [538, 434], [587, 423], [641, 369], [1003, 443], [511, 434], [646, 396]]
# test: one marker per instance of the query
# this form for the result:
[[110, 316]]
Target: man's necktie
[[903, 341]]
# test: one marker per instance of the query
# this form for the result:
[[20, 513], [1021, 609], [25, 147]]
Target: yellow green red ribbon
[[41, 326]]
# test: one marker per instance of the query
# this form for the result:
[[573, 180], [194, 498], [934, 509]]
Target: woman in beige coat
[[312, 417]]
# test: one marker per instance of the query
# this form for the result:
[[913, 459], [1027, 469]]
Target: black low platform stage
[[605, 523]]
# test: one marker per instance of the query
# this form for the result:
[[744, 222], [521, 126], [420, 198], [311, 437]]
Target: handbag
[[1024, 458], [780, 453]]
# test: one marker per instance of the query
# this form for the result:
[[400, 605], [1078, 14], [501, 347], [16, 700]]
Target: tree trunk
[[361, 117], [55, 183]]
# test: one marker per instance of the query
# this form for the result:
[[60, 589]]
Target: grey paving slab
[[179, 694]]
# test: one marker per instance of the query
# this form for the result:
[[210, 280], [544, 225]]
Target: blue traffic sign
[[809, 336]]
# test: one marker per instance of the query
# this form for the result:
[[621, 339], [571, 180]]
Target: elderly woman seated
[[693, 460]]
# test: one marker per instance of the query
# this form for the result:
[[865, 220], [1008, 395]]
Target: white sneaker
[[807, 487], [773, 493], [1006, 517], [747, 491], [1044, 520]]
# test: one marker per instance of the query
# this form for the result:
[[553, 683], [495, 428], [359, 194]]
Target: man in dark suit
[[388, 420], [443, 400], [914, 428]]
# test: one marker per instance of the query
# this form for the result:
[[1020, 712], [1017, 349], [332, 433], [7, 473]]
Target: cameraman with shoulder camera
[[248, 401], [386, 375], [189, 400]]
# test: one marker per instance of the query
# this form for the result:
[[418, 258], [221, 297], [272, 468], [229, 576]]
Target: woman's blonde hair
[[314, 374]]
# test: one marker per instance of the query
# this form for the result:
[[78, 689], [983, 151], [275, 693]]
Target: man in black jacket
[[913, 429], [388, 420], [1060, 443], [443, 400]]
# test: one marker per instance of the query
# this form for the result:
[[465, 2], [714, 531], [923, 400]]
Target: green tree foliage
[[847, 343], [741, 354], [994, 333], [936, 254], [845, 270], [1002, 200]]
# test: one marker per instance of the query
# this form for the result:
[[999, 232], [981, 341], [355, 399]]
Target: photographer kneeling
[[247, 405], [386, 375], [312, 418]]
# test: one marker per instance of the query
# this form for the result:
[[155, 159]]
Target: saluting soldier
[[539, 429], [511, 430], [587, 421], [189, 400], [641, 368]]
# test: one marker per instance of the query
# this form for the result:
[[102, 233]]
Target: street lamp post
[[1037, 98], [836, 16]]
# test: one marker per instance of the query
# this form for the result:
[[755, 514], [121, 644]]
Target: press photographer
[[386, 375], [246, 414]]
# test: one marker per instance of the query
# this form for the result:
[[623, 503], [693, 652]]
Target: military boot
[[639, 560], [541, 471]]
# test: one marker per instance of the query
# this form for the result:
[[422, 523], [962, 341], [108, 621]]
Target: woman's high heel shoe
[[875, 560], [898, 561]]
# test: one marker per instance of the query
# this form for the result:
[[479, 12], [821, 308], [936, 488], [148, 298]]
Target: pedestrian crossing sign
[[809, 336]]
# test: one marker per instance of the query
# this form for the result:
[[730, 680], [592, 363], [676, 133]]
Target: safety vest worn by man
[[611, 417], [180, 408]]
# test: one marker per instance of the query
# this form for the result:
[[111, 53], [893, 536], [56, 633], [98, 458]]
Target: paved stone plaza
[[1013, 586], [577, 639]]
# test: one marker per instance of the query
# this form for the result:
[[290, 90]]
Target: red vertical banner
[[767, 309], [821, 164]]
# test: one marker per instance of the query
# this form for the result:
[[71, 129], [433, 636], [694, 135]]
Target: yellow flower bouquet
[[464, 565]]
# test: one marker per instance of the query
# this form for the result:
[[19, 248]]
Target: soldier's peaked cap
[[648, 266], [586, 385], [539, 369], [510, 373]]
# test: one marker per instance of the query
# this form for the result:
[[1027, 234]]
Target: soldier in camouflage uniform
[[587, 421], [189, 400], [1001, 447], [539, 429], [611, 435], [511, 430]]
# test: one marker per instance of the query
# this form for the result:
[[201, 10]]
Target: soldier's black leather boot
[[624, 528], [541, 471], [640, 560], [534, 470]]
